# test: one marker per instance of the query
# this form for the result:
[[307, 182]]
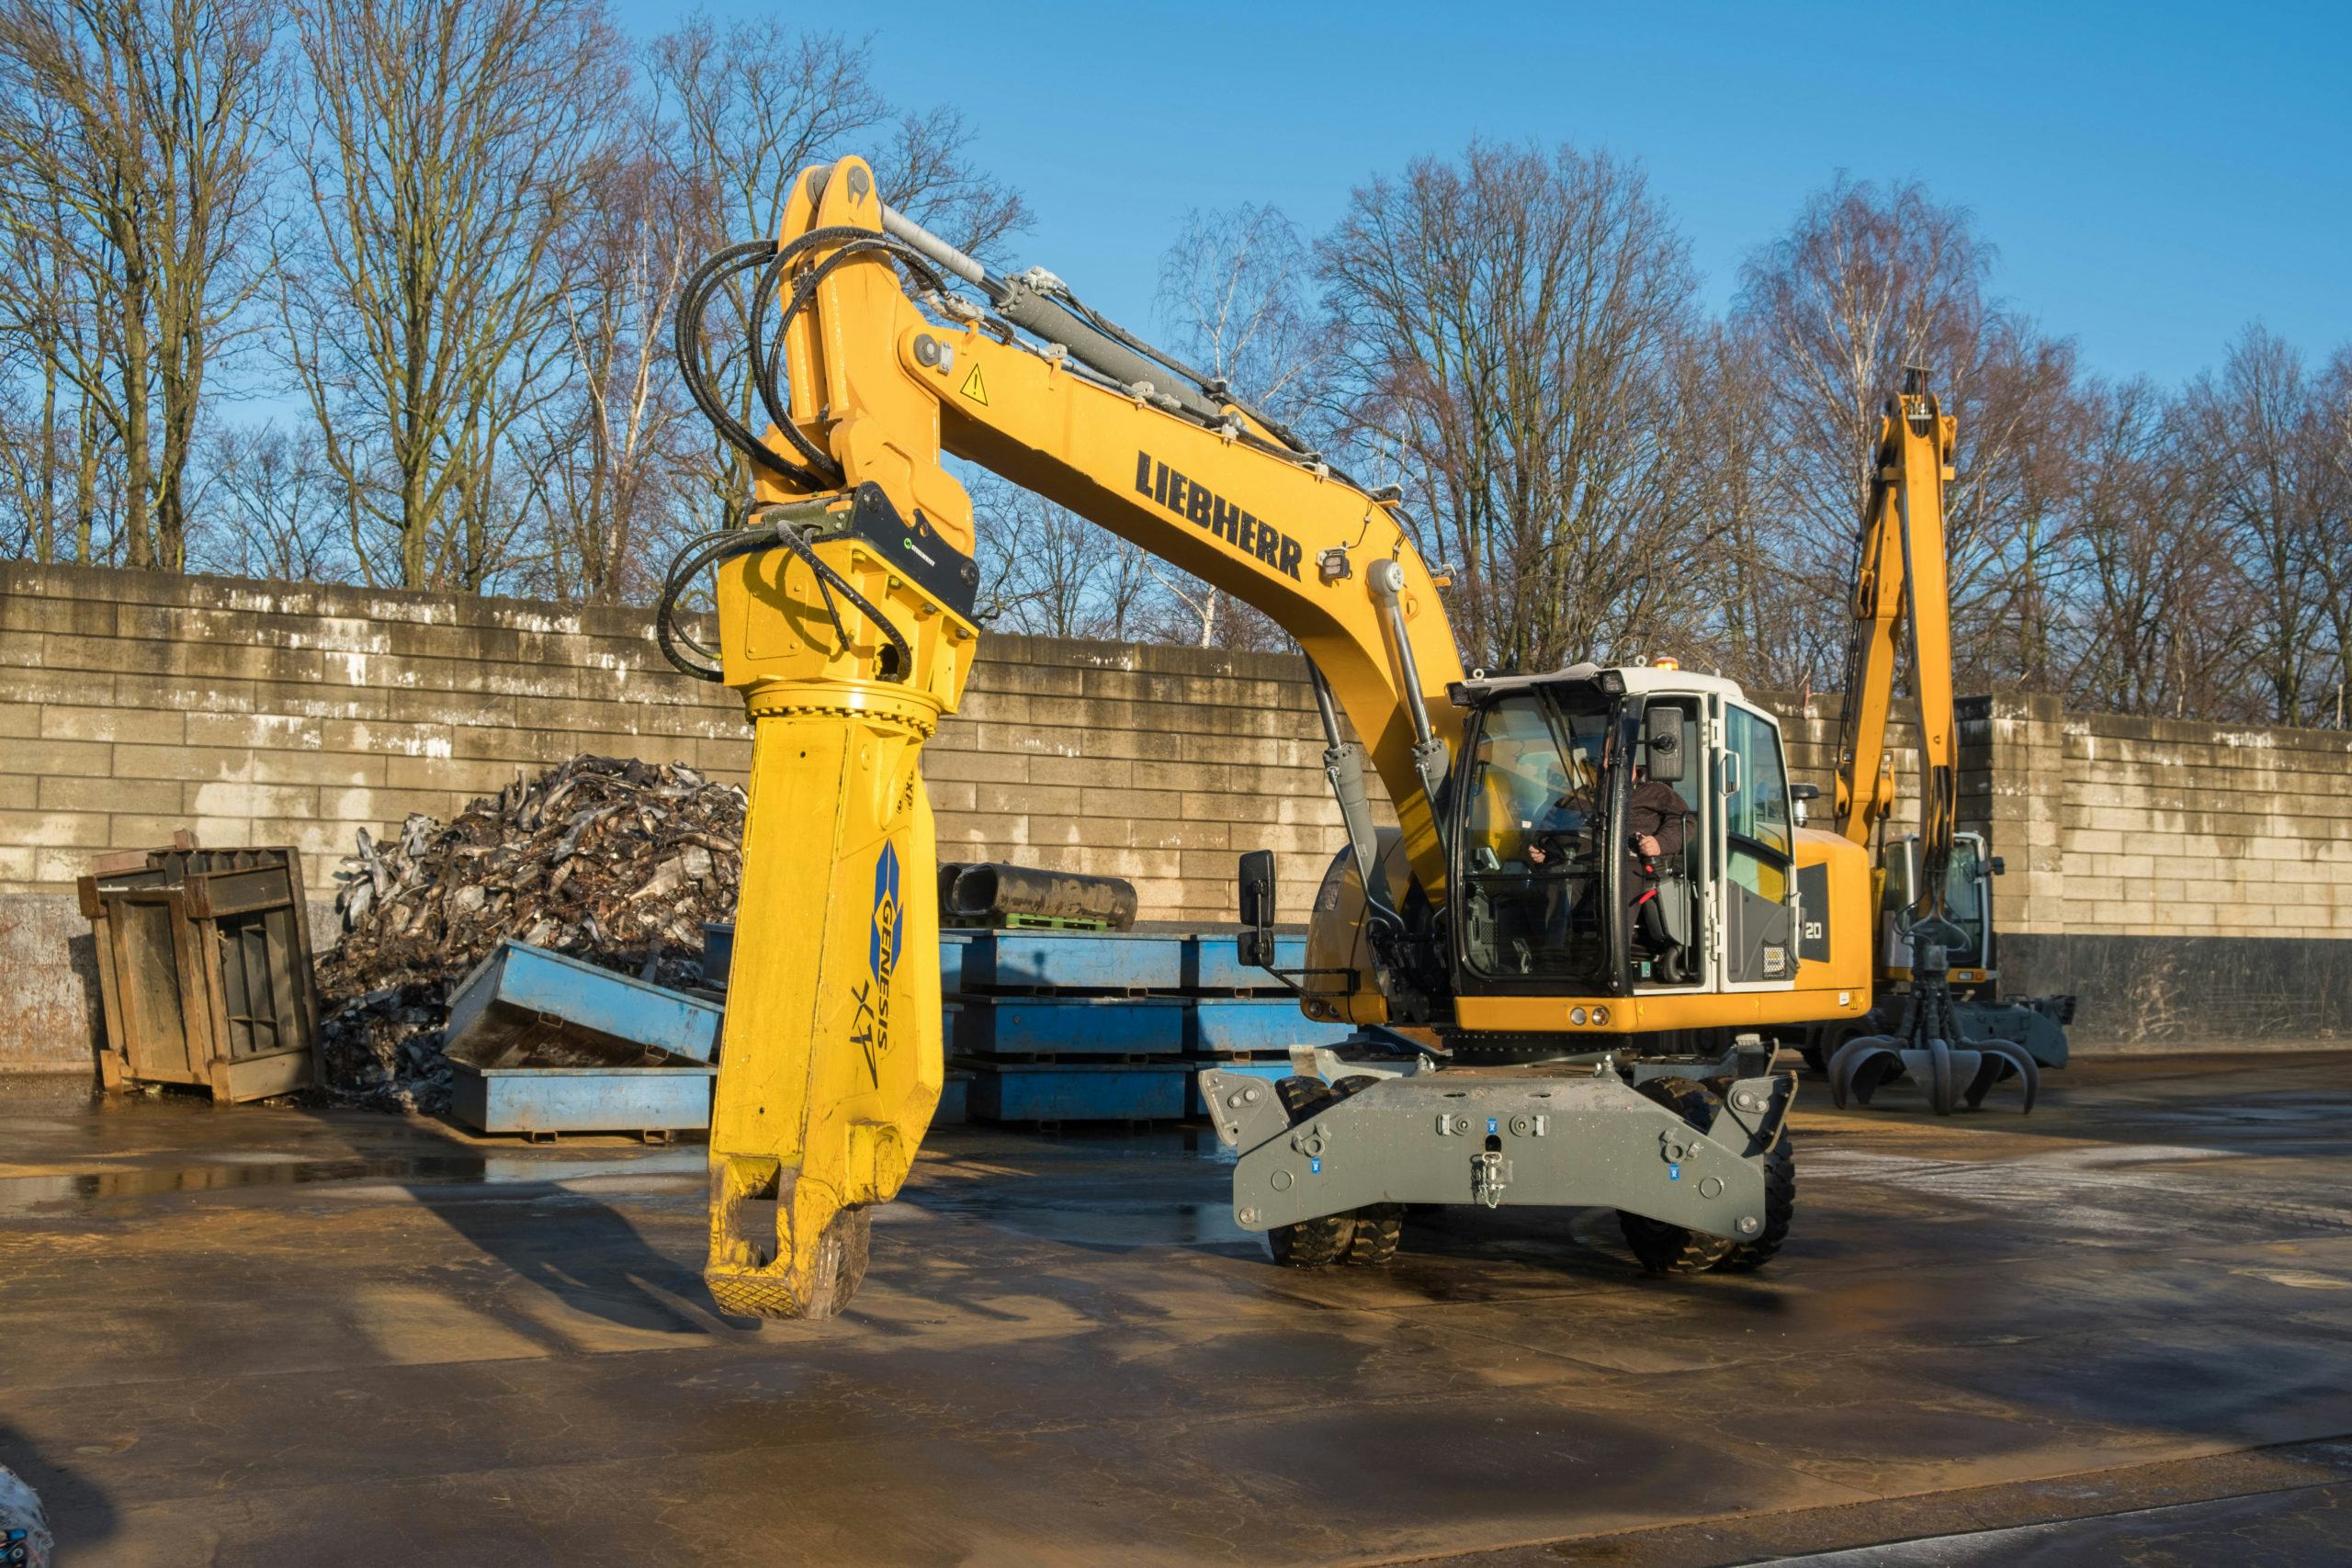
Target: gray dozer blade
[[1954, 1075]]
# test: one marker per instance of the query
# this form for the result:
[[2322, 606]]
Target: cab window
[[1762, 842], [1533, 824]]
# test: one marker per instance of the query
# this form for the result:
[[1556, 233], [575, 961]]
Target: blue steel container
[[1241, 1026], [1055, 1091], [518, 982], [1074, 961], [1077, 1026], [583, 1099], [1212, 963]]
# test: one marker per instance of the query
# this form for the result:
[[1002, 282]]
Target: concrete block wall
[[132, 705]]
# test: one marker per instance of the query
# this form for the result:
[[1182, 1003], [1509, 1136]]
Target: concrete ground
[[2119, 1330]]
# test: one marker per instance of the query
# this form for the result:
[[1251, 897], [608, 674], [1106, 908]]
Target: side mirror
[[1256, 947], [1997, 867], [1662, 738]]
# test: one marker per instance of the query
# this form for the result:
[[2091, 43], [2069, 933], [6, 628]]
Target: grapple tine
[[2011, 1055], [1990, 1068], [1940, 1085], [1858, 1067]]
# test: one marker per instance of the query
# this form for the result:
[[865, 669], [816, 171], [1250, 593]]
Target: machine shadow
[[81, 1515], [586, 1254], [589, 1256]]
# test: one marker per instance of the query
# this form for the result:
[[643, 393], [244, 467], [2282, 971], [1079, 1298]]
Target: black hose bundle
[[817, 471]]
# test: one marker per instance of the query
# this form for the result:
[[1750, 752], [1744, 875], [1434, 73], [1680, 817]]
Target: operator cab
[[1563, 783]]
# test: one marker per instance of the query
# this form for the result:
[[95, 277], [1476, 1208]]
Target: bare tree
[[1235, 299], [442, 149], [740, 110], [1517, 329], [141, 123], [2159, 622], [269, 500], [1867, 281], [620, 431], [1047, 570], [2259, 430]]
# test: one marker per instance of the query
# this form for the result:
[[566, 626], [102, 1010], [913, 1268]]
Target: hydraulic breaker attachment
[[830, 1065], [1933, 1047]]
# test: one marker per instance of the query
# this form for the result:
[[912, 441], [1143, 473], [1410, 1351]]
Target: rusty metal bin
[[204, 969]]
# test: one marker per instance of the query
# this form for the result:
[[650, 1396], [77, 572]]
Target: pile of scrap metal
[[612, 861]]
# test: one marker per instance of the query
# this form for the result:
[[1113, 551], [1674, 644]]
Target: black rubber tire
[[1379, 1227], [1317, 1243], [1660, 1247], [1779, 1208]]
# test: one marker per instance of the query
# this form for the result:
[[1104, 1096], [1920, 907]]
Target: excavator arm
[[1902, 585], [845, 620]]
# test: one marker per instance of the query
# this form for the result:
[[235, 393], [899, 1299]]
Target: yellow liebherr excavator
[[1601, 1012]]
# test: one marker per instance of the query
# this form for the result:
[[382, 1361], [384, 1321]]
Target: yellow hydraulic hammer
[[831, 1056]]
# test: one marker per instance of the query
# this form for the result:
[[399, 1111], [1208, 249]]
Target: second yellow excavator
[[1566, 960]]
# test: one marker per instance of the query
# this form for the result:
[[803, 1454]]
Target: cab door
[[1755, 838]]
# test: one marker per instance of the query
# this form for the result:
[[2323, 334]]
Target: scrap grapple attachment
[[1932, 1046]]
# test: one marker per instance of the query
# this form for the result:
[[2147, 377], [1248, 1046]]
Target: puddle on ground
[[1118, 1227], [23, 1193]]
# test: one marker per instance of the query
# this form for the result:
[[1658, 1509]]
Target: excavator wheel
[[1328, 1238], [1664, 1248], [1379, 1227], [1780, 1210]]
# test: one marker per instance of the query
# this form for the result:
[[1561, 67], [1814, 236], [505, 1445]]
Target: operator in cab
[[1656, 822]]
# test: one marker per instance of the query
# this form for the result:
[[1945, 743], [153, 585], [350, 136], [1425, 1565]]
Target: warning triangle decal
[[974, 389]]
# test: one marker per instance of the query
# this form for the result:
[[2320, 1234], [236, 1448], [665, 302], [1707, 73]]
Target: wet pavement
[[2119, 1330]]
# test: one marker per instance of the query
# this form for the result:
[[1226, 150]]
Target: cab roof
[[1638, 680]]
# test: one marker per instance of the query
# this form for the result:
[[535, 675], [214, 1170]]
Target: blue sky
[[2154, 175]]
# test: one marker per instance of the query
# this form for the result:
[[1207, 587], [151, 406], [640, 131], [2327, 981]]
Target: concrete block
[[1099, 772], [277, 732], [181, 763], [1004, 832], [718, 758], [427, 706], [465, 776], [975, 767], [79, 616], [22, 684], [1190, 777], [383, 737], [49, 830], [1037, 800], [246, 800], [143, 830], [1159, 833], [82, 757], [84, 792], [386, 806], [544, 746], [321, 699], [1149, 805]]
